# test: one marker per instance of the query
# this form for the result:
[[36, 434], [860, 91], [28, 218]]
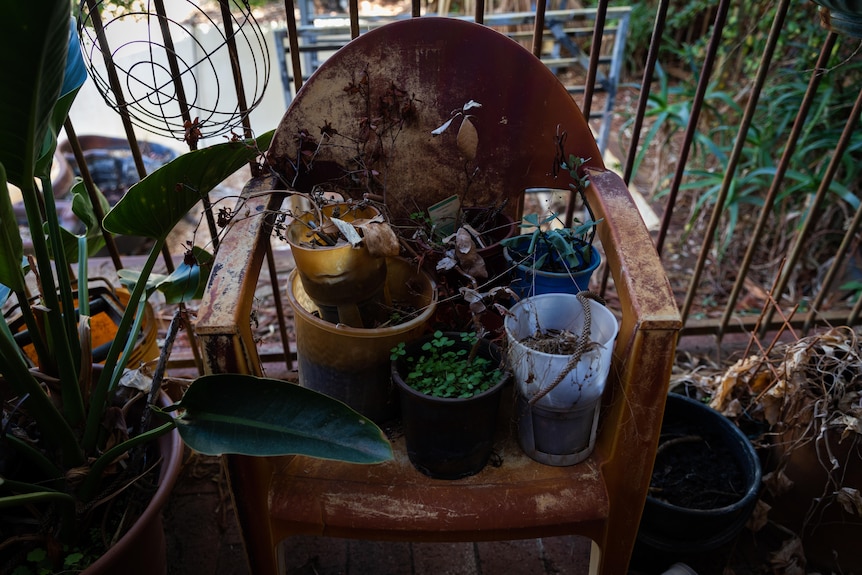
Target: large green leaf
[[248, 415], [36, 39], [82, 207], [73, 78], [152, 207], [185, 284], [11, 247]]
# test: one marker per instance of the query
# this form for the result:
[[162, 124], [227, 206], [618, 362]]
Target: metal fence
[[720, 206]]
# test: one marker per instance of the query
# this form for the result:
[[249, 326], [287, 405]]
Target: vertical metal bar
[[691, 129], [117, 89], [415, 8], [90, 185], [592, 72], [173, 64], [539, 29], [279, 305], [480, 11], [837, 263], [778, 179], [595, 54], [230, 39], [354, 18], [293, 42], [613, 78], [814, 208], [733, 161], [646, 83]]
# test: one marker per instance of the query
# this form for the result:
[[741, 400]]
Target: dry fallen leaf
[[468, 139], [850, 500], [380, 240], [759, 517], [739, 374], [469, 260], [790, 559], [777, 483]]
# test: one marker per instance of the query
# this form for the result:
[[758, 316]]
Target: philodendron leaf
[[73, 79], [11, 247], [243, 414], [82, 207], [186, 283], [152, 207]]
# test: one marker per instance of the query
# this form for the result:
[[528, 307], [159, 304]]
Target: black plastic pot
[[678, 530], [449, 438]]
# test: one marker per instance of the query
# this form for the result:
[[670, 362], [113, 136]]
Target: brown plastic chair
[[444, 63]]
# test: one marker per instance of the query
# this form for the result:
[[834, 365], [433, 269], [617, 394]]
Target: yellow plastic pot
[[352, 364]]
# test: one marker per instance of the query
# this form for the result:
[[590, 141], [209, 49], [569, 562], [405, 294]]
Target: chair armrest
[[224, 320], [634, 400]]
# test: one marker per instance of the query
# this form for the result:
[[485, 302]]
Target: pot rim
[[510, 320], [362, 332]]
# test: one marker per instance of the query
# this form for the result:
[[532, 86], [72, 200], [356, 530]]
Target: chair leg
[[249, 477], [610, 556], [595, 558]]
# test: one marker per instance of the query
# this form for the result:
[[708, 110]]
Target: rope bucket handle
[[584, 344]]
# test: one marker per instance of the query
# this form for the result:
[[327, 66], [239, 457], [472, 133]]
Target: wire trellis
[[170, 74]]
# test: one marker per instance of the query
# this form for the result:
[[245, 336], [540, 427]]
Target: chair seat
[[394, 501]]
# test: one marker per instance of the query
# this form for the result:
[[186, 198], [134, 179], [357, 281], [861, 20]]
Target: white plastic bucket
[[534, 370]]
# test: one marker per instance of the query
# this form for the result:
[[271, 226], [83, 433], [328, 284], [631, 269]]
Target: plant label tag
[[444, 214]]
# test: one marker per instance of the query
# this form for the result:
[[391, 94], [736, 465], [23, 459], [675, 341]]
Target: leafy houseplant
[[565, 256], [59, 464], [444, 370], [450, 386]]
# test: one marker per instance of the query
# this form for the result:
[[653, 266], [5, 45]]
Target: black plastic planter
[[670, 528], [449, 438]]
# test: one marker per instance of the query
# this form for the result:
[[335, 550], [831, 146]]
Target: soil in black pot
[[696, 470]]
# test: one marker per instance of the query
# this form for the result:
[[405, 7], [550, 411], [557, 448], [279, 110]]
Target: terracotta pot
[[141, 551]]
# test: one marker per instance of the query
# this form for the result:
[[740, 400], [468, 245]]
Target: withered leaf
[[468, 139], [380, 240], [468, 258]]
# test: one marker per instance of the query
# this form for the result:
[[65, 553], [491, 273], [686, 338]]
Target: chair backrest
[[433, 66], [319, 36]]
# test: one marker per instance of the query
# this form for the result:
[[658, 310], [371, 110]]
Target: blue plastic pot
[[527, 281]]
